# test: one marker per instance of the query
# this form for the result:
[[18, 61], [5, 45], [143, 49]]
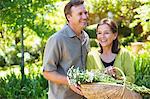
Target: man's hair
[[67, 9]]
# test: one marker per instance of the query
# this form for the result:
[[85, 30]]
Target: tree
[[132, 16], [142, 18], [121, 10], [18, 14]]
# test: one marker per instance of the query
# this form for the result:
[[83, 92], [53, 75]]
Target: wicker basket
[[108, 90], [102, 91]]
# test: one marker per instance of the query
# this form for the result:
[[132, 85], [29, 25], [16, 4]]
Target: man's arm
[[61, 79], [52, 56], [55, 77]]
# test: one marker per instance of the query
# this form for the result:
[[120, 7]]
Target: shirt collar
[[71, 33]]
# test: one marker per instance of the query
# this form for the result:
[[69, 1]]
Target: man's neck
[[77, 31]]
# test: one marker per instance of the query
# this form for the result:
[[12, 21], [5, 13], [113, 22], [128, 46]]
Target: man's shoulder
[[56, 37], [86, 34], [59, 34], [65, 32]]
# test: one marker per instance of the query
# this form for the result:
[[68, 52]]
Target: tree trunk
[[22, 52]]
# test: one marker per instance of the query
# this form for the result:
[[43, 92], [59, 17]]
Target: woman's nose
[[102, 35]]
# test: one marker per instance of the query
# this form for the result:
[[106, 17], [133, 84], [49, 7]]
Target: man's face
[[78, 17]]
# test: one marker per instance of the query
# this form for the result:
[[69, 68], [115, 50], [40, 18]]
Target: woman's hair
[[67, 9], [113, 26]]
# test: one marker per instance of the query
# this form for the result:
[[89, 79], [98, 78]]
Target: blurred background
[[25, 26]]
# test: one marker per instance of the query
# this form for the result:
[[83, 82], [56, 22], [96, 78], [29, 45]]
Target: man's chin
[[83, 26]]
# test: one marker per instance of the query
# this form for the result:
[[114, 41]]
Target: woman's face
[[105, 36]]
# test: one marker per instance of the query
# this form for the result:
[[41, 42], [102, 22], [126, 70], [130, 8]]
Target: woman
[[110, 55]]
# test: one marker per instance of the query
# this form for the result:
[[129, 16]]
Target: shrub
[[93, 43], [2, 61], [33, 87]]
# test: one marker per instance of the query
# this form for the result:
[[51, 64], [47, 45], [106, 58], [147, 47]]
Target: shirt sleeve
[[128, 65], [93, 61], [52, 54]]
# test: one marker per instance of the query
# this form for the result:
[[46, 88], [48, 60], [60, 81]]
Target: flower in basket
[[105, 83], [78, 76]]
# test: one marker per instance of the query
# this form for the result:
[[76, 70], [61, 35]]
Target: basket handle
[[124, 79]]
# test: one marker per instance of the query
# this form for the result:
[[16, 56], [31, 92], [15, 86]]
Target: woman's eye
[[106, 33], [98, 33]]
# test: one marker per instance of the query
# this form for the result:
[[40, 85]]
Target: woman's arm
[[93, 61], [128, 65]]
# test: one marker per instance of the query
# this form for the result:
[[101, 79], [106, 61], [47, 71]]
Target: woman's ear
[[115, 35]]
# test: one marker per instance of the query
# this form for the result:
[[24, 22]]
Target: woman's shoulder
[[93, 51], [125, 52]]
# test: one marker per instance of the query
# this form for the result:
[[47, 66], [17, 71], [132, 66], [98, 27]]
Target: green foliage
[[91, 30], [127, 40], [10, 48], [24, 12], [2, 61], [130, 14], [122, 10], [34, 86], [91, 33], [43, 30], [93, 43], [142, 66], [37, 19], [142, 17]]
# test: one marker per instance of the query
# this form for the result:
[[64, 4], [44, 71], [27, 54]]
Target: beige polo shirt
[[64, 49]]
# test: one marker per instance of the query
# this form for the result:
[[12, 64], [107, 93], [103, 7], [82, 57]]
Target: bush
[[91, 30], [93, 43], [91, 33], [142, 66], [2, 61], [34, 86]]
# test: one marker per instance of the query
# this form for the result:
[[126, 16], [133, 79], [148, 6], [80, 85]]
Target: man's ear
[[68, 16]]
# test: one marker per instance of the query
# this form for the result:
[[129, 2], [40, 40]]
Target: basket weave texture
[[108, 91]]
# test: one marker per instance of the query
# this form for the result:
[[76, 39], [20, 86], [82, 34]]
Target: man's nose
[[85, 16]]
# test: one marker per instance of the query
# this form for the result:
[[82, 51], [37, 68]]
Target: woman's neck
[[107, 50], [107, 55]]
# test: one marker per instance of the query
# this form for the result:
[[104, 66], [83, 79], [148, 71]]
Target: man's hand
[[76, 88]]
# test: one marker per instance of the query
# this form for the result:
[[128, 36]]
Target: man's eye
[[80, 13], [85, 12]]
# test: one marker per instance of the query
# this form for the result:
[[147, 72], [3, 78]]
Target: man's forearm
[[55, 77]]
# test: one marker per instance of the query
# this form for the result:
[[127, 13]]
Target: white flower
[[91, 76]]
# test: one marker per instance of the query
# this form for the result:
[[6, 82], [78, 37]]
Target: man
[[64, 49]]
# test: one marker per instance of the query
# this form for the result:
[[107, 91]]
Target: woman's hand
[[110, 71]]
